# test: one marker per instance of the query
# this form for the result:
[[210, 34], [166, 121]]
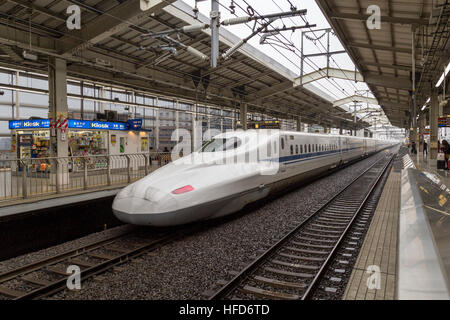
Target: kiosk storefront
[[31, 138]]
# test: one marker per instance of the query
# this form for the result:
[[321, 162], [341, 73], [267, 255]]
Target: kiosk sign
[[70, 123], [29, 124]]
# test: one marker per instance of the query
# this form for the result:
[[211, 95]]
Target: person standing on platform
[[425, 149], [413, 148]]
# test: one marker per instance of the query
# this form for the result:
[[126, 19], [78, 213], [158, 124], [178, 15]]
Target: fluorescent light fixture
[[444, 74], [425, 105]]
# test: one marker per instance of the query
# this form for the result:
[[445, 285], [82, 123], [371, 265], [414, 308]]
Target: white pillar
[[57, 85]]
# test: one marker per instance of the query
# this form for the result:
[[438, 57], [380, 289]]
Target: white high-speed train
[[234, 169]]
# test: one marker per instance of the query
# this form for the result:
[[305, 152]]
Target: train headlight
[[125, 192], [155, 195], [183, 189]]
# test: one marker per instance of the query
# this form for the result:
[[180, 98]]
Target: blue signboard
[[73, 124], [134, 124], [29, 124], [79, 124], [15, 124]]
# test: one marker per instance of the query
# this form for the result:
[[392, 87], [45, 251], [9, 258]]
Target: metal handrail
[[34, 177]]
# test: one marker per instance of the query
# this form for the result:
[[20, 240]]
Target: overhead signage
[[72, 124], [29, 124], [134, 124], [444, 122]]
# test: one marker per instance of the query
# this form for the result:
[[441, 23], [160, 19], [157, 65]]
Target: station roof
[[384, 56], [108, 49]]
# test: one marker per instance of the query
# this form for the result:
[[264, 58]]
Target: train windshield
[[221, 144]]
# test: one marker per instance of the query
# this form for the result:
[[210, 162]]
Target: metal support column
[[215, 20], [157, 124], [243, 115], [413, 96], [434, 109], [299, 124], [17, 102], [421, 132]]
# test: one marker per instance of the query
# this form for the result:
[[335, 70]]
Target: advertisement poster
[[144, 144], [122, 144]]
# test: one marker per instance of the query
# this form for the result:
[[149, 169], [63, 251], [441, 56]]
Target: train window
[[282, 143], [292, 149], [215, 145], [291, 137], [301, 148], [296, 149], [309, 148]]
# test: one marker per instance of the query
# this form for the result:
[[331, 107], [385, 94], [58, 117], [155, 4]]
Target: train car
[[232, 170]]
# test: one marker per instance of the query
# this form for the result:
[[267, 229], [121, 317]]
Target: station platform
[[408, 242], [379, 248]]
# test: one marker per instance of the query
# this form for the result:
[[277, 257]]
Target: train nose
[[143, 208], [127, 209]]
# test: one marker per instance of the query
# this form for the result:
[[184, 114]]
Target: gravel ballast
[[190, 266]]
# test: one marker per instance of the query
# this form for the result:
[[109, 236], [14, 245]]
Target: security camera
[[29, 55], [2, 93]]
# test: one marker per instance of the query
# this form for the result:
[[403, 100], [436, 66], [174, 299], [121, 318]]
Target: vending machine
[[25, 144], [24, 147]]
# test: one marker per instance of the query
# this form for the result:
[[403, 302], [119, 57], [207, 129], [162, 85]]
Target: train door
[[283, 148]]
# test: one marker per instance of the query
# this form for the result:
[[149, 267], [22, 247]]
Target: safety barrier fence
[[34, 177]]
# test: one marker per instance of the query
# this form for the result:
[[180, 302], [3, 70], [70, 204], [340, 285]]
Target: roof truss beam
[[328, 73], [355, 98], [105, 25], [386, 19]]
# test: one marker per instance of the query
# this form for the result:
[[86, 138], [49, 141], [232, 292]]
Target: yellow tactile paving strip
[[379, 248]]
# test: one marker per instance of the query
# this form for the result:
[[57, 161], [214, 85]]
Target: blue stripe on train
[[313, 155]]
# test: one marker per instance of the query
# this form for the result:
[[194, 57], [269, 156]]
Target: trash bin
[[440, 161]]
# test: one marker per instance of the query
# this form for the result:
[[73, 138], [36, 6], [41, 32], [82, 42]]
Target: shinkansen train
[[232, 170]]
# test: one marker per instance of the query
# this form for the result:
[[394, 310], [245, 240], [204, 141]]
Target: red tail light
[[183, 189]]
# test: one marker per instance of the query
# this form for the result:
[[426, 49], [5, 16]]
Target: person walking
[[425, 149]]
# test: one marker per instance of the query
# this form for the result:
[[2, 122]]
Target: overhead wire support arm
[[271, 17], [173, 44], [239, 20], [186, 29], [290, 28]]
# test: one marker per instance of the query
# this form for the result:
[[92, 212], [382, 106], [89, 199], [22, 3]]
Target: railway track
[[48, 276], [292, 268]]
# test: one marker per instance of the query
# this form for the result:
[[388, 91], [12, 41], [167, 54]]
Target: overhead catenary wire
[[318, 39], [316, 67], [281, 53]]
